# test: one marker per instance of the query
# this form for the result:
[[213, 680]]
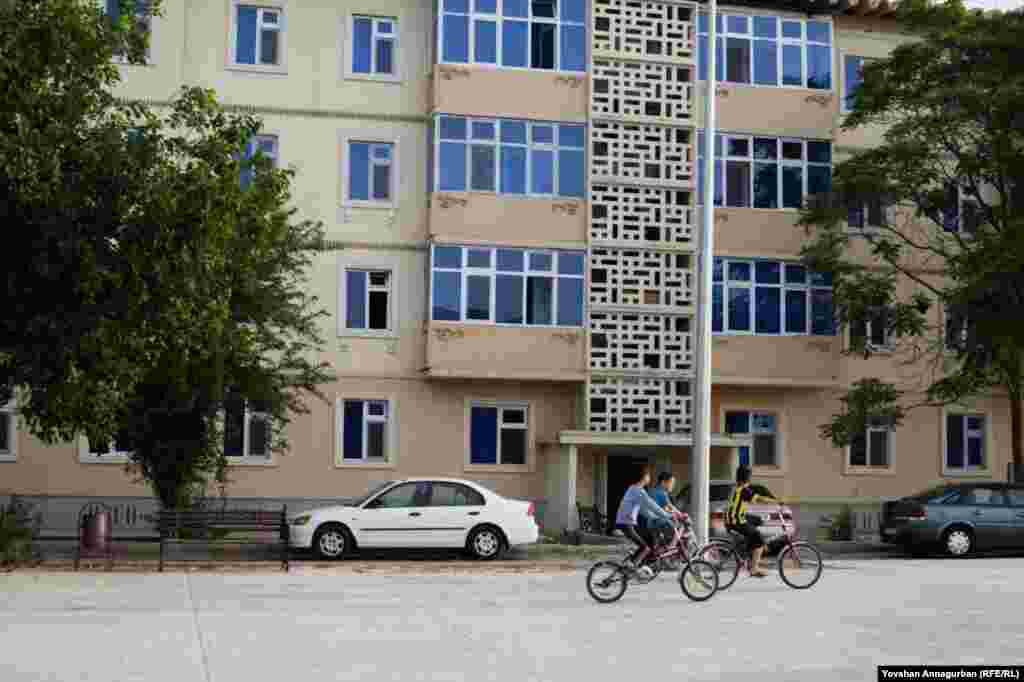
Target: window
[[767, 51], [455, 495], [370, 176], [8, 433], [965, 442], [364, 431], [872, 448], [770, 298], [142, 22], [766, 172], [404, 496], [368, 300], [984, 497], [763, 429], [852, 79], [959, 213], [507, 286], [523, 34], [961, 331], [868, 215], [1015, 497], [374, 47], [510, 157], [258, 36], [246, 430], [261, 145], [118, 449], [874, 331], [498, 435]]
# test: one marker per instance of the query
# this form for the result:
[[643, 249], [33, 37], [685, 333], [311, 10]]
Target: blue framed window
[[507, 286], [766, 172], [523, 34], [260, 145], [510, 157], [258, 35], [370, 176], [768, 51], [770, 298], [374, 45], [763, 429], [364, 431], [498, 435]]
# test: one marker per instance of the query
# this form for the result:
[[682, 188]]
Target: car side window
[[984, 497], [1015, 497], [455, 495], [403, 496]]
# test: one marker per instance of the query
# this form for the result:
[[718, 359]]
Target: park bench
[[218, 526]]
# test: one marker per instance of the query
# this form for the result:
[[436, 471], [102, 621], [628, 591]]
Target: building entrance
[[621, 474]]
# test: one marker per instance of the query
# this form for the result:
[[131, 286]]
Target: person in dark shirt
[[736, 518]]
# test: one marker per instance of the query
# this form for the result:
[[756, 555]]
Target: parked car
[[421, 514], [959, 518], [775, 523]]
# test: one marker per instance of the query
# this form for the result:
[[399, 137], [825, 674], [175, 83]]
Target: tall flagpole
[[700, 455]]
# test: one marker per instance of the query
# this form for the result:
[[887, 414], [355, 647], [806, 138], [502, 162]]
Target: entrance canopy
[[718, 440]]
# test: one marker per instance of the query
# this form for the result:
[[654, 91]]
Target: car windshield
[[374, 489]]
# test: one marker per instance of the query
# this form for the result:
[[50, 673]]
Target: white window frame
[[555, 147], [498, 19], [962, 198], [370, 288], [802, 41], [807, 287], [274, 154], [111, 456], [348, 48], [392, 201], [11, 453], [804, 164], [150, 48], [390, 432], [279, 6], [501, 406], [846, 92], [868, 467], [247, 458], [753, 431], [369, 263], [492, 272], [987, 446]]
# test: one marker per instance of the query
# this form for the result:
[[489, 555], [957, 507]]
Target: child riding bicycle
[[633, 502]]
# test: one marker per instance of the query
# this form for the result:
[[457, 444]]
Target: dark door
[[621, 471]]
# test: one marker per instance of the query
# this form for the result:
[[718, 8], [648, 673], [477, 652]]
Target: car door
[[398, 517], [984, 507], [1015, 499], [458, 508]]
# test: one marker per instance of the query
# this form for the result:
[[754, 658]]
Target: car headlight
[[301, 520]]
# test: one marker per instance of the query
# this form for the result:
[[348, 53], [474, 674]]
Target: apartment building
[[510, 194]]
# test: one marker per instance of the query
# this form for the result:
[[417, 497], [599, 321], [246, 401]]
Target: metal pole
[[700, 455]]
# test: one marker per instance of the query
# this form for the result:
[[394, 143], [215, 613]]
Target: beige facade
[[556, 402]]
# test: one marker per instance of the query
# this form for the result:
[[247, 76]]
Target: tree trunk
[[1016, 426]]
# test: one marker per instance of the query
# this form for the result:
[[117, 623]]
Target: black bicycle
[[800, 563]]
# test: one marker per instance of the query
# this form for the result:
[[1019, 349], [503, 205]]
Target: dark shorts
[[750, 534]]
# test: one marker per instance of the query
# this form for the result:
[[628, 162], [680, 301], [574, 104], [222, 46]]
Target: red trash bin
[[97, 532]]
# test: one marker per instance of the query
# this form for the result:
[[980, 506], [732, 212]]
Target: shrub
[[18, 528]]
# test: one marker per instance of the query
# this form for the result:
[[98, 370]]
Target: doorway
[[621, 472]]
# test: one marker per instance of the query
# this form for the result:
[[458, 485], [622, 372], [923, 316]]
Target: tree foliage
[[146, 287], [951, 103]]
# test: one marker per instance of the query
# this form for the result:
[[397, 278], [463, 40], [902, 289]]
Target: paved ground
[[313, 625]]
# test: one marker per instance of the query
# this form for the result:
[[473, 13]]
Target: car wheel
[[486, 543], [332, 541], [958, 542]]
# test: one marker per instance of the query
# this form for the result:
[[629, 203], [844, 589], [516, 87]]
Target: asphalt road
[[308, 626]]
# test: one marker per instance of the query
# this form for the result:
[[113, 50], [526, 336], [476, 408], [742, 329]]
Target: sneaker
[[645, 572]]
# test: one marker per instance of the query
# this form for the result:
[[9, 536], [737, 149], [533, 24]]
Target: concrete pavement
[[309, 626]]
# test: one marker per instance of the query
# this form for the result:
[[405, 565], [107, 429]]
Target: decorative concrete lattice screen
[[640, 29], [639, 342], [635, 405], [642, 215], [637, 277], [642, 153], [641, 90]]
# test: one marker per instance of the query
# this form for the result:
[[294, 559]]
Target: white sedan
[[418, 513]]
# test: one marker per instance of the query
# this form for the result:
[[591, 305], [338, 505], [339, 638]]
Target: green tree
[[944, 194], [147, 287]]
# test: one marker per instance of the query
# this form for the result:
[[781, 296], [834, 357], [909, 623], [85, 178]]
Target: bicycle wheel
[[726, 561], [698, 580], [800, 565], [607, 582]]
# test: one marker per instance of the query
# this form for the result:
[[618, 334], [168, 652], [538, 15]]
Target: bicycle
[[698, 579], [798, 559]]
